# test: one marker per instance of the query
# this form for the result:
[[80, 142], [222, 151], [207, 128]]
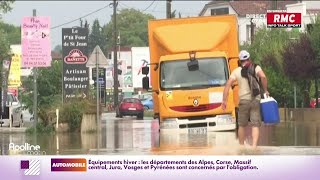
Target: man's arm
[[264, 81], [226, 93]]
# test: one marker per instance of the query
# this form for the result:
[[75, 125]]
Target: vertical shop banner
[[14, 79], [75, 57], [35, 39]]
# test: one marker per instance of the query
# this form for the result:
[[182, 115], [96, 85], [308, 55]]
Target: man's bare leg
[[241, 135], [255, 136]]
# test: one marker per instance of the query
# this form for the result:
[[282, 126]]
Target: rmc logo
[[283, 20]]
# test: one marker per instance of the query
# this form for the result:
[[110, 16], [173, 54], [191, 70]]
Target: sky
[[65, 11]]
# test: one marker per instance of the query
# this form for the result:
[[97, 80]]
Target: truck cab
[[191, 60]]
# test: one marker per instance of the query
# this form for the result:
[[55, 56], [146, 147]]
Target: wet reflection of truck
[[191, 60]]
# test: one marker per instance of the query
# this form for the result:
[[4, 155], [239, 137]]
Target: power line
[[126, 6], [149, 6], [80, 17]]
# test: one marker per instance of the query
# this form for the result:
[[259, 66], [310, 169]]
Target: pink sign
[[35, 39]]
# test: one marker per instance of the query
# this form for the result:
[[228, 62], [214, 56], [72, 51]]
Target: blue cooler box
[[269, 111]]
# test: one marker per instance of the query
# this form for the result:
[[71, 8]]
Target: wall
[[299, 114]]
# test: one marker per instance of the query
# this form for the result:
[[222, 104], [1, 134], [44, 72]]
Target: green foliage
[[4, 45], [5, 6], [314, 37], [13, 33], [133, 27], [73, 110], [41, 129], [266, 50], [96, 37], [49, 82], [72, 114]]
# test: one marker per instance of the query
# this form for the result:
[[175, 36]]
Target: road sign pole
[[35, 90], [97, 88]]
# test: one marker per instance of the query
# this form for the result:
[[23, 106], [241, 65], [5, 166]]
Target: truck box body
[[192, 99]]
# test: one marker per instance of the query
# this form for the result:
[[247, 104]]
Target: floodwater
[[130, 136]]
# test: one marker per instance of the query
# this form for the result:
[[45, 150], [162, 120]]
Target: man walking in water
[[247, 77]]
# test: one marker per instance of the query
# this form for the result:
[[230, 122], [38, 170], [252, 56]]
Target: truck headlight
[[224, 119]]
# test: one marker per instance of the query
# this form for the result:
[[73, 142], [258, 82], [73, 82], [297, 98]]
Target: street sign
[[35, 39], [97, 54], [75, 57], [101, 81]]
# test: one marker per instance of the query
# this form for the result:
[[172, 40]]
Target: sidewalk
[[13, 130]]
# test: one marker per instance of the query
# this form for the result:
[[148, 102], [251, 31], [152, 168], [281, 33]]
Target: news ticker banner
[[160, 167]]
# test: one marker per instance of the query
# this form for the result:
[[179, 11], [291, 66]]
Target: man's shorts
[[249, 110]]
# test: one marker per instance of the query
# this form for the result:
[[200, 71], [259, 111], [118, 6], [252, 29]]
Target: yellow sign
[[15, 71]]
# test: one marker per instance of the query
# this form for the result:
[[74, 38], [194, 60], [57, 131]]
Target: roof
[[313, 11], [250, 7]]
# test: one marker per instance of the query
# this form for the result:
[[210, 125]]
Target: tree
[[58, 48], [266, 50], [314, 36], [4, 45], [13, 32], [133, 27], [5, 6], [49, 83], [299, 60], [96, 37]]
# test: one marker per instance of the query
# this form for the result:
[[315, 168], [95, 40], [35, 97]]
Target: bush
[[41, 128], [72, 111]]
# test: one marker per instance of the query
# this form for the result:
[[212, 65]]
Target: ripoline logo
[[30, 167], [68, 164], [282, 19]]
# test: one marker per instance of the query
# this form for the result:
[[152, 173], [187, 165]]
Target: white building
[[242, 8], [124, 64]]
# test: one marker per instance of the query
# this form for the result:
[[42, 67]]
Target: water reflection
[[142, 137]]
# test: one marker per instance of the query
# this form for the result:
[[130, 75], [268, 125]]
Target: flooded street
[[130, 136]]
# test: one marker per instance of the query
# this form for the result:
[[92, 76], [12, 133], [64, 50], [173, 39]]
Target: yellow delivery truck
[[190, 62]]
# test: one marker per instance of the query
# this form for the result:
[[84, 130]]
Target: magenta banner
[[160, 167], [35, 40]]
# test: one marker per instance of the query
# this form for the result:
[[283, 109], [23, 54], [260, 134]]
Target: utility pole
[[115, 61], [35, 90], [169, 9]]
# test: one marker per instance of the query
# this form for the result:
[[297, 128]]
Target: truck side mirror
[[145, 70], [145, 83]]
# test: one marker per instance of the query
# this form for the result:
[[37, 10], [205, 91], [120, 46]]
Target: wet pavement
[[130, 136]]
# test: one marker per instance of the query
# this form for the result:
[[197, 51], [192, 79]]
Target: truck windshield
[[213, 72]]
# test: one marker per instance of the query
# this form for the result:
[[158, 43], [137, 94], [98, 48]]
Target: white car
[[16, 112]]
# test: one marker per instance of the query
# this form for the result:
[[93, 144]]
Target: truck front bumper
[[217, 123]]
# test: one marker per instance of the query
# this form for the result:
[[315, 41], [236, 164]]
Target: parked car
[[130, 107], [313, 103], [148, 103], [16, 112], [143, 96]]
